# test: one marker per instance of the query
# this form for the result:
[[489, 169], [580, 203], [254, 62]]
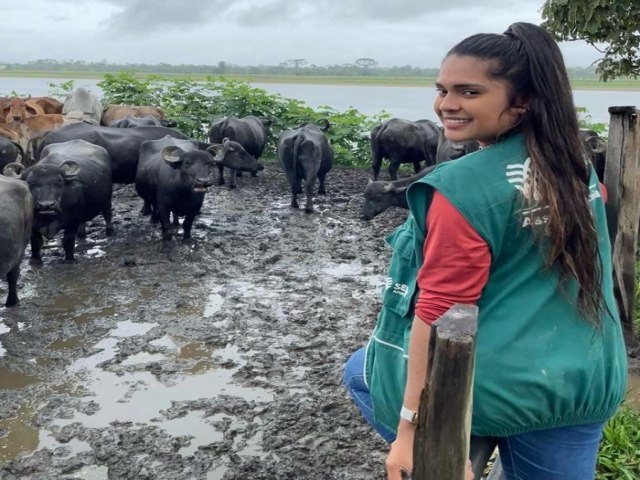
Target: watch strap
[[410, 416]]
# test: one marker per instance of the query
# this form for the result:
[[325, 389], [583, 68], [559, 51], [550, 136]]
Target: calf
[[71, 184], [172, 177], [305, 154], [237, 160], [16, 216]]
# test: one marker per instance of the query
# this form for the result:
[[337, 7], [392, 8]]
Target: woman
[[517, 228]]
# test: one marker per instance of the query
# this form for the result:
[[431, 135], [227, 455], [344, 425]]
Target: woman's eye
[[441, 91], [469, 93]]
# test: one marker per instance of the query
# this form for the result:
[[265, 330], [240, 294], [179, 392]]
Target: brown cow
[[29, 128], [113, 113], [46, 104], [15, 109]]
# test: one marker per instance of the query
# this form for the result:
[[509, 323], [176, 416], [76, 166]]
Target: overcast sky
[[254, 32]]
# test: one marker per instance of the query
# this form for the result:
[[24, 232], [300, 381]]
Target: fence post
[[441, 445], [622, 179]]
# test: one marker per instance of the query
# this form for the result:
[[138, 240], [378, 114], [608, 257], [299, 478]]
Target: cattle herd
[[61, 159]]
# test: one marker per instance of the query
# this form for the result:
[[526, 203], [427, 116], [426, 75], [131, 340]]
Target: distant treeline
[[298, 66]]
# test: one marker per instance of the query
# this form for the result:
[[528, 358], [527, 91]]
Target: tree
[[296, 62], [366, 62], [610, 26]]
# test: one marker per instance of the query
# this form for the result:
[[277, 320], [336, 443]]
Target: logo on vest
[[519, 175], [398, 288]]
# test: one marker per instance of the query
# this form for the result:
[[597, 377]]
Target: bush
[[193, 105]]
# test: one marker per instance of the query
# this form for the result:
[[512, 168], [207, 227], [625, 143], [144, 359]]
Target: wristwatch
[[410, 416]]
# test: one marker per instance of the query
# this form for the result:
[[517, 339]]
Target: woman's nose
[[448, 103]]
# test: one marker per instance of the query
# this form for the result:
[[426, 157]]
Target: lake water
[[411, 103]]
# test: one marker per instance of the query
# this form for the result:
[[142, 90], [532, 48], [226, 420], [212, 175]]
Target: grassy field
[[622, 84]]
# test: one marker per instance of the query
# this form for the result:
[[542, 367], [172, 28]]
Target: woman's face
[[470, 104]]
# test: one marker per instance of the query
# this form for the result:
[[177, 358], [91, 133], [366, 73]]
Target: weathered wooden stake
[[622, 179], [441, 445]]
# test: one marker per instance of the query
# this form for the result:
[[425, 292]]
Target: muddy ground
[[216, 360]]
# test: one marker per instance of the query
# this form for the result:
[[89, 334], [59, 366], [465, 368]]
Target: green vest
[[539, 365]]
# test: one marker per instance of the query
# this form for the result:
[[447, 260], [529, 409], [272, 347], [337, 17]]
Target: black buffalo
[[448, 150], [71, 184], [251, 132], [380, 195], [404, 141], [16, 216], [304, 154], [173, 176], [237, 160], [122, 144], [133, 122], [10, 152]]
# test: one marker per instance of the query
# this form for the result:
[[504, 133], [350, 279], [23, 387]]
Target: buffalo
[[237, 160], [172, 177], [304, 154], [251, 132], [404, 141], [71, 184], [10, 152], [16, 217]]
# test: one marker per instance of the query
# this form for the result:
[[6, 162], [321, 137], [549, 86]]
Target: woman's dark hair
[[531, 63]]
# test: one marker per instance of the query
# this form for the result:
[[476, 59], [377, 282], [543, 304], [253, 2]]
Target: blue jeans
[[567, 453]]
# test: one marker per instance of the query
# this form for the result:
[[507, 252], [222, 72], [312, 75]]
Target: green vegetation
[[610, 27], [619, 456]]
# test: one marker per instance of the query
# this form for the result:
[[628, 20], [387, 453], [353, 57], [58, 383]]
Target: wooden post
[[622, 179], [441, 445]]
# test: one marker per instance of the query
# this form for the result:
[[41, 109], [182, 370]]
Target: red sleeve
[[456, 262], [605, 194]]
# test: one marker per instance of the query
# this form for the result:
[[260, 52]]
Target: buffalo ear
[[70, 169], [217, 150], [171, 154], [13, 170]]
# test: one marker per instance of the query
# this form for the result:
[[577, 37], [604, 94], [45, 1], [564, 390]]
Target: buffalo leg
[[393, 170], [165, 220], [308, 187], [186, 226], [232, 178], [12, 280], [107, 215], [69, 244], [82, 230], [36, 248], [221, 171], [416, 166], [146, 208], [322, 188]]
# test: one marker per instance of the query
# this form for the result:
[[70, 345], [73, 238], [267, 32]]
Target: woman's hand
[[400, 458]]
